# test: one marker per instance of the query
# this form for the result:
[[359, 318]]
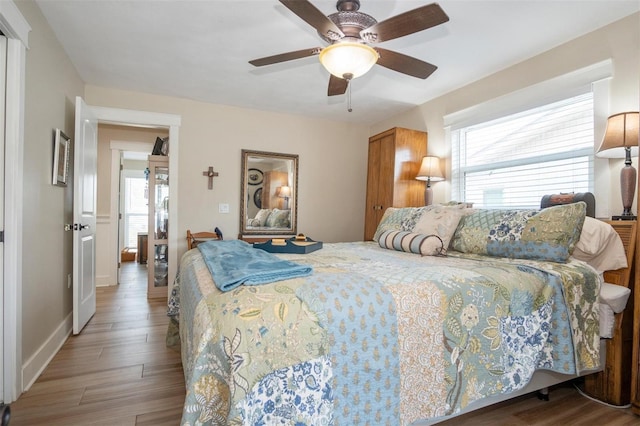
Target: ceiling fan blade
[[283, 57], [312, 16], [405, 64], [406, 23], [337, 86]]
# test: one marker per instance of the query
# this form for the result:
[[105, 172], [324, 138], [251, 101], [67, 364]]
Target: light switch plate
[[223, 208]]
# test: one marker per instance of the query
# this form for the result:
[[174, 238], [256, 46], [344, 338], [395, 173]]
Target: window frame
[[595, 77], [458, 139]]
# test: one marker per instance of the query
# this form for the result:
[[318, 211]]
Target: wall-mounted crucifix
[[210, 174]]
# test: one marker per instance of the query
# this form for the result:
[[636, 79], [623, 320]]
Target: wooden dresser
[[613, 383], [394, 160]]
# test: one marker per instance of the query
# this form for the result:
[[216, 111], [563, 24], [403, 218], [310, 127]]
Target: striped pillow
[[426, 245]]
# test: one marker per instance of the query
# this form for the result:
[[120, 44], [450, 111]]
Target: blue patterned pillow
[[549, 234]]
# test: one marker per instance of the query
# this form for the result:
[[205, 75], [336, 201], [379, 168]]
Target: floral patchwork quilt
[[379, 337]]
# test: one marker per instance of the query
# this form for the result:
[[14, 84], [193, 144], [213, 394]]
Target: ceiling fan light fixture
[[342, 59]]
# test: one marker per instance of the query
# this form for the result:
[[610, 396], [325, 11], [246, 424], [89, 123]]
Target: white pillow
[[600, 246], [261, 217], [615, 296]]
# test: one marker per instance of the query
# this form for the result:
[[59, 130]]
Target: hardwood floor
[[565, 407], [118, 371]]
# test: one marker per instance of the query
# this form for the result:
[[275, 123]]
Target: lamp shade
[[430, 169], [621, 133], [348, 60], [285, 192]]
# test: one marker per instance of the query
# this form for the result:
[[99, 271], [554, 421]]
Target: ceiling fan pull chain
[[349, 98]]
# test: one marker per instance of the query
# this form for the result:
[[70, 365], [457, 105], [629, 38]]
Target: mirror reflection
[[268, 193]]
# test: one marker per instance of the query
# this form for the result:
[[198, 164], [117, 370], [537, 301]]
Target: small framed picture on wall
[[61, 153]]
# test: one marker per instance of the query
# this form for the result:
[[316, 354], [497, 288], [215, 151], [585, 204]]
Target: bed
[[447, 310]]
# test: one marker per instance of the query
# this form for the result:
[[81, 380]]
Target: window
[[136, 209], [511, 162]]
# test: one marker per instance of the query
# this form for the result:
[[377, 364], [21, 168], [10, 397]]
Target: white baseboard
[[36, 364], [104, 280]]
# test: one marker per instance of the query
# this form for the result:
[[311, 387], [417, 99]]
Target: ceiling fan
[[349, 34]]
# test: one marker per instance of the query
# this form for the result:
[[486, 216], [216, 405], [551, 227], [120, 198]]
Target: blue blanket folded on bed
[[235, 262]]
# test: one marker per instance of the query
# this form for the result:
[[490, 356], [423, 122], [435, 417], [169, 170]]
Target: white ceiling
[[200, 49]]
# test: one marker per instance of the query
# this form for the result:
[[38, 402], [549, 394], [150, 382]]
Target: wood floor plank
[[159, 418], [86, 413], [38, 400], [565, 407], [72, 379], [145, 388]]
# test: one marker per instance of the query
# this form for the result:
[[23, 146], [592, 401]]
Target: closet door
[[393, 163], [379, 182]]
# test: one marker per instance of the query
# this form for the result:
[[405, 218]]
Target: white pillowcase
[[607, 321], [600, 246], [615, 296], [613, 299]]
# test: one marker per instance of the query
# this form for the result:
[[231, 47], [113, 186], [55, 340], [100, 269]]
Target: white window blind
[[514, 160]]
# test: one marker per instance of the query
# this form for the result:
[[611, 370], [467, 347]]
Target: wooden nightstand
[[635, 370], [613, 384]]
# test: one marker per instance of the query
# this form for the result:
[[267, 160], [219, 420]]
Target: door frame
[[16, 30], [117, 147], [133, 118]]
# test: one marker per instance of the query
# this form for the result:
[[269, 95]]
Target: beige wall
[[619, 41], [52, 84], [332, 175]]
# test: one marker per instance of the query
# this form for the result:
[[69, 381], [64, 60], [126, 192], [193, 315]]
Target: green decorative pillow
[[549, 234], [410, 242], [393, 218], [278, 219]]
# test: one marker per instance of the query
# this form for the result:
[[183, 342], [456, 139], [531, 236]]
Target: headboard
[[557, 199]]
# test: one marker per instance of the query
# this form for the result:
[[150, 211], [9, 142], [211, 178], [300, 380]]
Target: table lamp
[[285, 192], [429, 171], [621, 141]]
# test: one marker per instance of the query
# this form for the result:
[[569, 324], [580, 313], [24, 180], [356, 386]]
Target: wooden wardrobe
[[394, 160]]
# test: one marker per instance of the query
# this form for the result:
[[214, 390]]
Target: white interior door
[[84, 215]]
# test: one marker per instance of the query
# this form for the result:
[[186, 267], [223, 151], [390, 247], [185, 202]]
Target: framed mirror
[[269, 194]]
